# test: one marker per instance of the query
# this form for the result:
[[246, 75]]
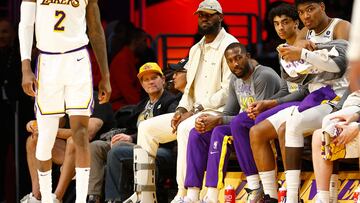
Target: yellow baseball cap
[[149, 67]]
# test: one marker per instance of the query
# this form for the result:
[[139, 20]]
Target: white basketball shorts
[[64, 83]]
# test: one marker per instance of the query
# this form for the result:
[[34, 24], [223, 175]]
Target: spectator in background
[[125, 87], [159, 101], [121, 156], [176, 79], [119, 35], [9, 62], [10, 92]]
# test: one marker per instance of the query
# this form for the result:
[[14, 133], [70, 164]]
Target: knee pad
[[48, 127], [293, 132]]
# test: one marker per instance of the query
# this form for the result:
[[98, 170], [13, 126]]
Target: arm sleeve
[[232, 107], [219, 98], [26, 28], [320, 61]]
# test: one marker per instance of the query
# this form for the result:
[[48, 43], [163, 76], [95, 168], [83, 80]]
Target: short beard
[[210, 30], [245, 71]]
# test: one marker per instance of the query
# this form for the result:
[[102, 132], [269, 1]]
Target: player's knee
[[80, 137], [70, 141], [256, 135], [281, 135], [194, 136], [31, 144], [327, 120], [70, 145], [294, 134], [281, 131], [316, 139]]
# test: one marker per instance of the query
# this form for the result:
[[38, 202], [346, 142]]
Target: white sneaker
[[206, 200], [179, 199], [29, 198]]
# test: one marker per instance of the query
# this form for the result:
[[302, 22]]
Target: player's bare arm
[[342, 30], [26, 31], [97, 40]]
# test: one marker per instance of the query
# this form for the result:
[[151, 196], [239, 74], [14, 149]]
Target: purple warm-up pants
[[208, 151]]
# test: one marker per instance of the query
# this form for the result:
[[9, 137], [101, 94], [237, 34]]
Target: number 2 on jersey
[[61, 15]]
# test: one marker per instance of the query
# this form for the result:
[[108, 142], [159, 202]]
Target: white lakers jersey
[[60, 25], [338, 85], [325, 36]]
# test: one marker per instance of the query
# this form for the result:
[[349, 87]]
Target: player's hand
[[104, 90], [200, 123], [178, 118], [206, 122], [348, 133], [258, 107], [306, 44], [29, 82], [121, 137], [31, 126], [347, 118], [289, 53]]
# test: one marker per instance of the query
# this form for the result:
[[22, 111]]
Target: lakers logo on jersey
[[74, 3], [246, 101]]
